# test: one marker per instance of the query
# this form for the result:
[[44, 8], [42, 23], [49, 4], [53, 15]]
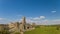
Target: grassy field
[[44, 30]]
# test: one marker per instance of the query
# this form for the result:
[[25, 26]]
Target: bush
[[4, 32], [17, 33]]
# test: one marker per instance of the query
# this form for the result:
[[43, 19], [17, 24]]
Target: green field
[[44, 30]]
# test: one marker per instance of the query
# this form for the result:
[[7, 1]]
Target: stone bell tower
[[23, 25], [24, 22]]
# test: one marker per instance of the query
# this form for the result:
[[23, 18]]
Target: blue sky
[[12, 10]]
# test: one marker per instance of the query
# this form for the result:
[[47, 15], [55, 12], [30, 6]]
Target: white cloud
[[1, 18], [49, 22], [53, 11], [39, 18], [42, 17], [36, 18], [42, 21]]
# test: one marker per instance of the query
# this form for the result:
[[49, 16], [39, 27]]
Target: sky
[[38, 11]]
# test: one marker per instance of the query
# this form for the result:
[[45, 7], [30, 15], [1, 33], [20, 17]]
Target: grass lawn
[[44, 30]]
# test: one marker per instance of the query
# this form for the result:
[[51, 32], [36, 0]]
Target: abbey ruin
[[18, 26]]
